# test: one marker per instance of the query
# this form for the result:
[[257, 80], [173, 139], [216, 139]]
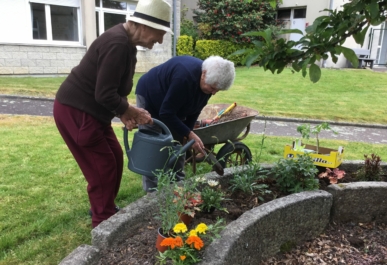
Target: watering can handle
[[126, 142], [155, 121], [162, 126]]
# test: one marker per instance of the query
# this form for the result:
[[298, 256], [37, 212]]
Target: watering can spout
[[177, 154]]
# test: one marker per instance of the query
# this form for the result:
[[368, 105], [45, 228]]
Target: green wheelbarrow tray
[[225, 129]]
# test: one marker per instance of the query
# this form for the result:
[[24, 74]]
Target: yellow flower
[[196, 241], [201, 228], [182, 257], [180, 228], [193, 233]]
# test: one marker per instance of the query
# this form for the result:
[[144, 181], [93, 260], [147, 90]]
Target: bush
[[222, 48], [185, 45], [296, 175], [371, 170], [228, 19]]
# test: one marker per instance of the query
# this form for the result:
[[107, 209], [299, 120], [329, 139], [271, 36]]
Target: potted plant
[[324, 157], [184, 246], [191, 200], [168, 206]]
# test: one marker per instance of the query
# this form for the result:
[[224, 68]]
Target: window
[[300, 13], [54, 22], [110, 13]]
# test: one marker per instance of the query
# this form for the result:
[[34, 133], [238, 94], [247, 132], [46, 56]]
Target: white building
[[51, 36]]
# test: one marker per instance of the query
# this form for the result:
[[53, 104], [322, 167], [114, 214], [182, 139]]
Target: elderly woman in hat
[[96, 91]]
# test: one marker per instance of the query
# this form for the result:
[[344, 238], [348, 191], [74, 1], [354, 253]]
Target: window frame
[[128, 13], [47, 7]]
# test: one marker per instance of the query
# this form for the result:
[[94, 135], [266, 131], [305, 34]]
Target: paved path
[[274, 126]]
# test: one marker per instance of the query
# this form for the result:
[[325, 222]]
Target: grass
[[351, 95], [44, 213]]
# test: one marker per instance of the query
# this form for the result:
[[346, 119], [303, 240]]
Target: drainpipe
[[174, 28], [330, 7]]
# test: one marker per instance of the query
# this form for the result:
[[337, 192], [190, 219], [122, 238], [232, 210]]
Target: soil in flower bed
[[340, 244]]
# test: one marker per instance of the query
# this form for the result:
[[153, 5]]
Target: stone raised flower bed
[[261, 232]]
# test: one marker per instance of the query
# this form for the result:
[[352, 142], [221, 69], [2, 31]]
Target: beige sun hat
[[153, 13]]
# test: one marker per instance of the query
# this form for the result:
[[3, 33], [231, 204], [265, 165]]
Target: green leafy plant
[[371, 170], [191, 199], [333, 175], [212, 196], [305, 130], [326, 36], [227, 20], [295, 175], [168, 207], [247, 180], [184, 246]]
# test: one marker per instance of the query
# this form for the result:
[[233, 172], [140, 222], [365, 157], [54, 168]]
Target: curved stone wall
[[261, 232]]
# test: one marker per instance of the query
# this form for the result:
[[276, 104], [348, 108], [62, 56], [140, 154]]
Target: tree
[[323, 38], [228, 19]]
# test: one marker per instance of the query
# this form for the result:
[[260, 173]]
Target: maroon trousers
[[98, 153]]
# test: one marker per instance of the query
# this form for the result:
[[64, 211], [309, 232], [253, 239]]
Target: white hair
[[219, 72]]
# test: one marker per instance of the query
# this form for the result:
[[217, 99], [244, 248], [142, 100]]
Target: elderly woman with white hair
[[175, 93]]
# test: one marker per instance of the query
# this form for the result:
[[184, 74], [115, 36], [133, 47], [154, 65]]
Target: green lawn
[[44, 204], [352, 95]]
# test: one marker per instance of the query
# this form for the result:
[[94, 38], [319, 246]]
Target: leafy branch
[[323, 38]]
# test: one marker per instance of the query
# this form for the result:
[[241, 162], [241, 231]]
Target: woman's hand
[[198, 146], [134, 115]]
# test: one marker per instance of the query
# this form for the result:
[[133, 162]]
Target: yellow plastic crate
[[325, 158]]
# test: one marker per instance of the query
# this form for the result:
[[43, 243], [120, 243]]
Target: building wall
[[19, 59], [190, 5], [21, 55]]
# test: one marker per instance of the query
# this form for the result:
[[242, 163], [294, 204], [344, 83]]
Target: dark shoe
[[91, 213]]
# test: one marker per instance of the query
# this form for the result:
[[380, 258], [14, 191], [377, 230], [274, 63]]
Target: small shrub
[[185, 45], [247, 181], [212, 197], [296, 175], [371, 170], [333, 175]]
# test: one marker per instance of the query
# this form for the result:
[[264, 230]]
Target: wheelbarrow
[[229, 130]]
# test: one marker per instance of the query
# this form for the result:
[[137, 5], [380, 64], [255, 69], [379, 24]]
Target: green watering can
[[152, 151]]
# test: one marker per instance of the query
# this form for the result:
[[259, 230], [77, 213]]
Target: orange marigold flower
[[179, 242], [196, 241], [168, 242], [182, 257]]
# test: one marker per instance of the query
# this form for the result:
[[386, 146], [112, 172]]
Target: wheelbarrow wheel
[[234, 154]]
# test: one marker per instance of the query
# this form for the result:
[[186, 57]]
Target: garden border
[[282, 222]]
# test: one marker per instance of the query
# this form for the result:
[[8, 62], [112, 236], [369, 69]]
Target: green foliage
[[371, 170], [228, 19], [305, 130], [296, 175], [185, 45], [168, 207], [247, 180], [212, 197], [206, 48], [324, 37], [187, 27]]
